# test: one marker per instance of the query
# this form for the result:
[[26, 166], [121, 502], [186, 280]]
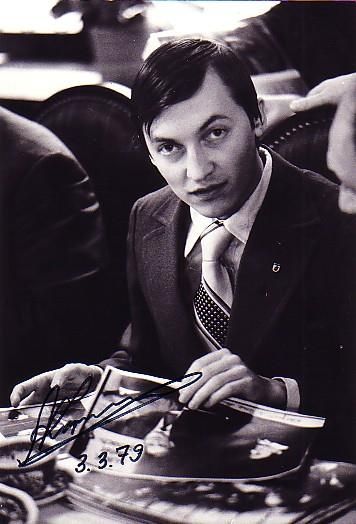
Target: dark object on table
[[14, 414]]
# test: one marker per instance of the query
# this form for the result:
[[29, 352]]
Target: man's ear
[[146, 139], [151, 160], [260, 122]]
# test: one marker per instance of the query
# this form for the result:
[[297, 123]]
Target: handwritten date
[[123, 452]]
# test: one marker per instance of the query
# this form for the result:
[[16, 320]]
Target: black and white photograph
[[177, 262]]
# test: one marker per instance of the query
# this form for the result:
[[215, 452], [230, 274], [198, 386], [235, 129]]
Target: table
[[192, 509], [325, 485], [61, 514]]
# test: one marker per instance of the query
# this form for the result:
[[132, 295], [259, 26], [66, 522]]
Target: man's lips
[[207, 191]]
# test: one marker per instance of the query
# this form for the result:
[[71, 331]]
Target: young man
[[236, 268]]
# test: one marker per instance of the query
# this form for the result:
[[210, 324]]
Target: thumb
[[17, 394], [38, 385]]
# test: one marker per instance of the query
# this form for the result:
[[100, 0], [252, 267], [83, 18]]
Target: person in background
[[231, 267], [52, 255]]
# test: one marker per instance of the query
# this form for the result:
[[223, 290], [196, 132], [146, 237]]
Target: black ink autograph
[[59, 408]]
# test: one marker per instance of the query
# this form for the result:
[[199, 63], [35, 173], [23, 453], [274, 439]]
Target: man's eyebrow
[[161, 139], [206, 124], [211, 120]]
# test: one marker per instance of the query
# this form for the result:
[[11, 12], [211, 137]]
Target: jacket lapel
[[163, 250], [274, 260]]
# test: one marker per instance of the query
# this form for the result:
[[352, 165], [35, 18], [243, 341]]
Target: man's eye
[[216, 134], [167, 149]]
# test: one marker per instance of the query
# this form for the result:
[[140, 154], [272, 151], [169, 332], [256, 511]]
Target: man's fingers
[[18, 393], [200, 365], [69, 380], [310, 101], [227, 390], [215, 384], [209, 368], [207, 359], [316, 90], [24, 389], [72, 379], [68, 374], [33, 398], [215, 381], [347, 200], [327, 92]]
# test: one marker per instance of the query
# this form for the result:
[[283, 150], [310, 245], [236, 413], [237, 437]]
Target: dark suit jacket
[[284, 323], [52, 252]]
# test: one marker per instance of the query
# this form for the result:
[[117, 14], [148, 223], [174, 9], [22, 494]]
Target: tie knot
[[214, 241]]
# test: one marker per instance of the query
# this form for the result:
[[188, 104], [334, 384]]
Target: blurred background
[[49, 45]]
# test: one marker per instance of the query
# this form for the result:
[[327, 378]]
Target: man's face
[[205, 149]]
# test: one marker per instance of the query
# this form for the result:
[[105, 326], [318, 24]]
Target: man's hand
[[341, 155], [327, 92], [225, 375], [68, 378], [277, 108]]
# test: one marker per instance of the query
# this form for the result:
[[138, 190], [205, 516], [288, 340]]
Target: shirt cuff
[[292, 391]]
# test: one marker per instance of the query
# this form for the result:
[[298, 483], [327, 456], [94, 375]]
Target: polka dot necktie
[[213, 299]]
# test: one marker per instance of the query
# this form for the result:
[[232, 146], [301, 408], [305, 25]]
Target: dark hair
[[176, 70]]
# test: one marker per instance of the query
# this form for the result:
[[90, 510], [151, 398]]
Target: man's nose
[[199, 165]]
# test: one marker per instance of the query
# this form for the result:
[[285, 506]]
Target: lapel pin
[[276, 267]]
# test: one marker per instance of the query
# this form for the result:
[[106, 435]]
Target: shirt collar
[[240, 223]]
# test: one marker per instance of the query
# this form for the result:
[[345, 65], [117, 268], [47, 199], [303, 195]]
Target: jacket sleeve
[[139, 342], [58, 228], [59, 262]]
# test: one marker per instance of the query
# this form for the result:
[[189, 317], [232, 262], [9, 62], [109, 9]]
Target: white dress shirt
[[239, 225]]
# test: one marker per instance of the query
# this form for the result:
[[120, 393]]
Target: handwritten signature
[[60, 407]]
